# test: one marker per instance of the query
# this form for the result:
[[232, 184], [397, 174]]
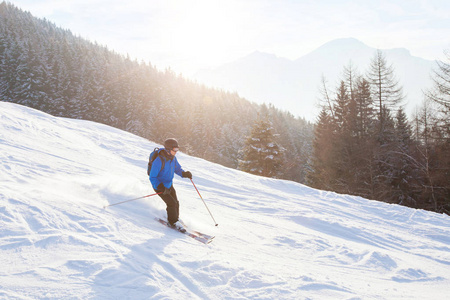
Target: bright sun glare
[[206, 32]]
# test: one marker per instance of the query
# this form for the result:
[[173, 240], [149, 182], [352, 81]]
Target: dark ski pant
[[171, 200]]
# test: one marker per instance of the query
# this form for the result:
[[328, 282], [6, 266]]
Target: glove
[[186, 174]]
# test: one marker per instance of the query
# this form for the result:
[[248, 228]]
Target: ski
[[207, 236], [204, 235], [205, 239]]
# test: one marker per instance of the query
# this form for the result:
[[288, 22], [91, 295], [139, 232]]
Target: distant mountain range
[[293, 85]]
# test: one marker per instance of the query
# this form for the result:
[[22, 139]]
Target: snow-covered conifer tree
[[262, 155]]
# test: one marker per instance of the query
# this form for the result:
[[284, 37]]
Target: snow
[[275, 240]]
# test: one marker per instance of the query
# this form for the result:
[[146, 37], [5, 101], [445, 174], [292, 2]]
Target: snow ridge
[[275, 240]]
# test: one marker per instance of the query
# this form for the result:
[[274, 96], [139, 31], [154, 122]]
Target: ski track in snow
[[276, 239]]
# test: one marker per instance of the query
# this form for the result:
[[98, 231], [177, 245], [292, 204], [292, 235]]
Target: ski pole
[[131, 200], [204, 203]]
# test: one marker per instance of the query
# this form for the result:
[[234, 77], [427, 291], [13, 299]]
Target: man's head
[[171, 145]]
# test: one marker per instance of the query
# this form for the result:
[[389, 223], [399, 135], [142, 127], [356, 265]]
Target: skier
[[161, 175]]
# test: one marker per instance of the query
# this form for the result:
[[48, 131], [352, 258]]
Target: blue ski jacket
[[165, 175]]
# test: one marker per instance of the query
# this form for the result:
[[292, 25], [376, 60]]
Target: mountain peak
[[344, 42], [258, 55], [340, 46]]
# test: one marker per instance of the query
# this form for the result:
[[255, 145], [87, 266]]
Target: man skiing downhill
[[161, 176]]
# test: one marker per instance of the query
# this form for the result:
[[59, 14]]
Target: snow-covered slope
[[275, 240]]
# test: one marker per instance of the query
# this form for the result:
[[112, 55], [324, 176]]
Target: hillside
[[275, 240], [294, 85]]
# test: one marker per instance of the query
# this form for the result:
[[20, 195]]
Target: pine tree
[[364, 108], [385, 87], [342, 141], [262, 155], [440, 94], [403, 170], [441, 79], [384, 161], [342, 108], [440, 134], [320, 175], [432, 158]]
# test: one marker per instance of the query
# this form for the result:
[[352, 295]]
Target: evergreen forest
[[365, 145], [362, 143]]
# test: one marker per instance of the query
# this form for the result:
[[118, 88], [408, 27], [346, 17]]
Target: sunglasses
[[175, 149]]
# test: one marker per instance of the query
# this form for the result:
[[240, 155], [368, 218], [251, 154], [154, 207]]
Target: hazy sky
[[188, 35]]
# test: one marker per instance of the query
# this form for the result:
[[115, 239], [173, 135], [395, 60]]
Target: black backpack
[[152, 158]]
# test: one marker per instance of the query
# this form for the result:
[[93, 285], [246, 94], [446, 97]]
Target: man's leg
[[173, 193], [173, 206]]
